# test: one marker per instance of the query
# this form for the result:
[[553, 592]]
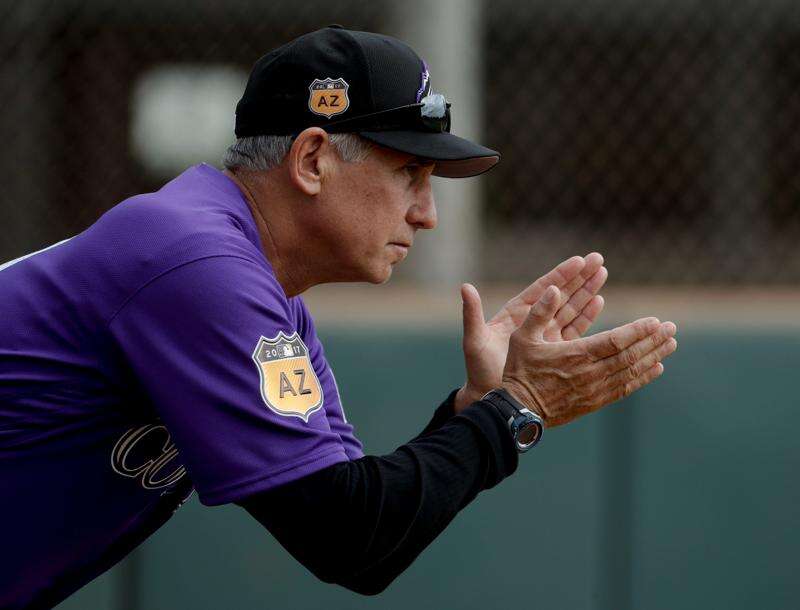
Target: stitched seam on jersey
[[214, 494], [165, 272], [243, 199]]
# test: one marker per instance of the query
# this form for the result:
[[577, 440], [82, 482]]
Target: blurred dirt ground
[[432, 307]]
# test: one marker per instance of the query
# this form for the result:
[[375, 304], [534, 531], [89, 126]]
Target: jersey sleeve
[[333, 404], [214, 347]]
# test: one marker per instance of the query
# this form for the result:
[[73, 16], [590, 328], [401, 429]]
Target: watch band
[[504, 402]]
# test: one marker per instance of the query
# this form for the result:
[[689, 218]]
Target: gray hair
[[259, 153]]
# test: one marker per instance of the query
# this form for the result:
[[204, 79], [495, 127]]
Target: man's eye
[[416, 171], [412, 169]]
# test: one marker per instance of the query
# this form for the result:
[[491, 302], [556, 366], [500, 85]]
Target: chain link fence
[[662, 133]]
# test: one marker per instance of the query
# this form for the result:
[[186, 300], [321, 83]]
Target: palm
[[486, 343]]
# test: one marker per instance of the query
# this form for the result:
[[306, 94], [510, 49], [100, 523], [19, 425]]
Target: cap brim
[[455, 157]]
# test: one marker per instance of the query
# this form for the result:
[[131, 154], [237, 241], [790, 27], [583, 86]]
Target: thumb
[[542, 312], [472, 310]]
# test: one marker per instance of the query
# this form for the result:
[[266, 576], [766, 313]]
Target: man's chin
[[378, 273], [384, 277], [381, 276]]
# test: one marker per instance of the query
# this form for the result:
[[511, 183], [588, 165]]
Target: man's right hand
[[562, 381]]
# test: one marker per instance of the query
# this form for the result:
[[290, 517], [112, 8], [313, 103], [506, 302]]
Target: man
[[167, 349]]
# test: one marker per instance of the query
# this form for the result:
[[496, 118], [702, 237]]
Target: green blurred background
[[683, 496], [662, 133]]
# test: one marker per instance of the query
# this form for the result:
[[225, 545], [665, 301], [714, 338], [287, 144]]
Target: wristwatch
[[525, 426]]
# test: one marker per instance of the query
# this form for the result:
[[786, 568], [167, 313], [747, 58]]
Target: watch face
[[529, 434]]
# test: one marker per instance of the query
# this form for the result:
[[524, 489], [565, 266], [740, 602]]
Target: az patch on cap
[[328, 96], [289, 384]]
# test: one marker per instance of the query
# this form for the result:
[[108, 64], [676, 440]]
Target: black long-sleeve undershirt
[[361, 523]]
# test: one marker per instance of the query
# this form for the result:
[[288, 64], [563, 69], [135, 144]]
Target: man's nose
[[423, 213]]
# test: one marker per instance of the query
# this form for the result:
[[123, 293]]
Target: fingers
[[643, 368], [560, 276], [634, 353], [584, 320], [626, 389], [542, 313], [569, 276], [472, 310], [581, 297], [644, 363], [615, 393], [611, 342], [592, 263]]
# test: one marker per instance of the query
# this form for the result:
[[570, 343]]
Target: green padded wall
[[684, 496]]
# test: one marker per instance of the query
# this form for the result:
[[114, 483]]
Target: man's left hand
[[486, 343]]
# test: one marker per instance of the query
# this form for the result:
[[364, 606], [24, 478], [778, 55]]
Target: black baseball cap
[[357, 82]]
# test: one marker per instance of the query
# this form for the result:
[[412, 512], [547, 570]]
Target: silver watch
[[524, 426]]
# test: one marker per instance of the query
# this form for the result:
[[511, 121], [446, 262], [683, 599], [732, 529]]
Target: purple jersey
[[152, 354]]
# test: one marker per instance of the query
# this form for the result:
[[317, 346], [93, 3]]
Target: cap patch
[[289, 384], [328, 96]]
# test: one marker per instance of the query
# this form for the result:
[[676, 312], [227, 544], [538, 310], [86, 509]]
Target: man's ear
[[308, 160]]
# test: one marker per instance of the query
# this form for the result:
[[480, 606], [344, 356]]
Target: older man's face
[[373, 209]]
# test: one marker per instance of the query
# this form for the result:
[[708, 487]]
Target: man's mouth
[[402, 247]]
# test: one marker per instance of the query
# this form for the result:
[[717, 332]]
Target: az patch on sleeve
[[289, 384]]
